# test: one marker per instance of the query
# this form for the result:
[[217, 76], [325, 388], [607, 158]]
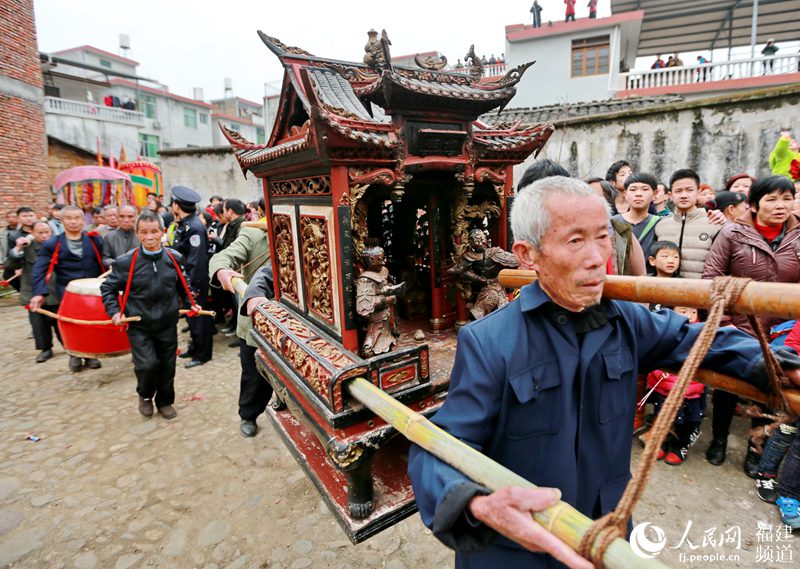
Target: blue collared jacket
[[69, 266], [559, 412]]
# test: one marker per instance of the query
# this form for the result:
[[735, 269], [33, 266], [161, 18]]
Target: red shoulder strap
[[128, 283], [53, 262], [97, 252], [180, 276]]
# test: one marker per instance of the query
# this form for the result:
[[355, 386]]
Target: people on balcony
[[658, 63], [536, 10], [570, 14], [769, 51]]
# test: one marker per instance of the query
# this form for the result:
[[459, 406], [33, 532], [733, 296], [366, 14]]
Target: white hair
[[530, 216]]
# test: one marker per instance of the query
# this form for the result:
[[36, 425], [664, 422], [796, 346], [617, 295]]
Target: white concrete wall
[[716, 138], [550, 81], [84, 132], [246, 130], [209, 171]]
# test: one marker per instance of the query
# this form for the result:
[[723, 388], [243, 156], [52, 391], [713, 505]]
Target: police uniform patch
[[194, 240]]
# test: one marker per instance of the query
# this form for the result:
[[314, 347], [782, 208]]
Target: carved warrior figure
[[480, 265], [375, 299]]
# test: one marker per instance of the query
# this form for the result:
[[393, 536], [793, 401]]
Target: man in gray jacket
[[119, 241], [689, 225]]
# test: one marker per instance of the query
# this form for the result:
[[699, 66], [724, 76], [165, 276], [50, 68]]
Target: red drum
[[82, 300]]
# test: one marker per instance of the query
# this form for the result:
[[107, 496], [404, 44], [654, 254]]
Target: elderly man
[[122, 239], [546, 386]]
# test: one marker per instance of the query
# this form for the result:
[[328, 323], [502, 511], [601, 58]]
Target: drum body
[[82, 300]]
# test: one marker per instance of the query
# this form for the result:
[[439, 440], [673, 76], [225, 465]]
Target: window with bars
[[590, 56]]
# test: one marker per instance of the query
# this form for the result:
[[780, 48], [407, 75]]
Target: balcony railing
[[92, 111], [494, 69], [708, 72]]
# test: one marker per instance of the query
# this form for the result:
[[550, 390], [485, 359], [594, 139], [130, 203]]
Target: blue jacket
[[69, 266], [524, 392]]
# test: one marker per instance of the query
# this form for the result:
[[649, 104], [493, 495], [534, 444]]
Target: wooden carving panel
[[286, 261], [317, 266], [313, 186]]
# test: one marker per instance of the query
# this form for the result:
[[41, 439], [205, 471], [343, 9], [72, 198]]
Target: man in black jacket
[[152, 279]]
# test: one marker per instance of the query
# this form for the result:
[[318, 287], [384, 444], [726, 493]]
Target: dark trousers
[[43, 327], [254, 390], [154, 352], [570, 17], [724, 407], [201, 329], [789, 481], [8, 272]]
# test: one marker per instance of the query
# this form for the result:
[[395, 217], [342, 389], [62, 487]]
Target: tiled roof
[[336, 92], [555, 113]]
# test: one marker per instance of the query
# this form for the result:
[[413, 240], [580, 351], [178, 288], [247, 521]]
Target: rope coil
[[725, 291]]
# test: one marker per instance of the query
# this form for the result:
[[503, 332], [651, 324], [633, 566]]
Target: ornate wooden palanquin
[[395, 156]]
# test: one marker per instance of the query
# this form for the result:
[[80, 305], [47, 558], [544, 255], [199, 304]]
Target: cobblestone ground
[[105, 488]]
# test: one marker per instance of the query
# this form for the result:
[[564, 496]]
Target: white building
[[240, 115], [575, 61], [94, 97]]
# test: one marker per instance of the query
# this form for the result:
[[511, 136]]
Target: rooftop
[[154, 91], [521, 32], [554, 113], [98, 51]]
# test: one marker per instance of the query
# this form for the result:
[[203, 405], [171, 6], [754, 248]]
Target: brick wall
[[61, 157], [23, 144]]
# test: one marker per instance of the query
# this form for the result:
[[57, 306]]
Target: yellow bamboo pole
[[84, 322], [781, 300], [183, 311], [562, 520]]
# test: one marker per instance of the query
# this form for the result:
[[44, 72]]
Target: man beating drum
[[71, 255], [151, 278]]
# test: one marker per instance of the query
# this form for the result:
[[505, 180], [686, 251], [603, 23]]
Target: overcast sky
[[186, 44]]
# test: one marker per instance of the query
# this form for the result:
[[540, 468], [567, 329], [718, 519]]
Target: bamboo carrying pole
[[564, 521], [107, 322], [781, 300]]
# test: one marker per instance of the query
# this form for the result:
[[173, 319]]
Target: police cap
[[184, 195]]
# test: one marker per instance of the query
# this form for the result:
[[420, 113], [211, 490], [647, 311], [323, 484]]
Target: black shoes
[[145, 407], [193, 363], [184, 355], [75, 364], [43, 356], [92, 363], [168, 412], [248, 428], [766, 489], [716, 451], [751, 461]]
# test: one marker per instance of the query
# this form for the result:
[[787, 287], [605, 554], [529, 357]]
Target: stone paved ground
[[106, 488]]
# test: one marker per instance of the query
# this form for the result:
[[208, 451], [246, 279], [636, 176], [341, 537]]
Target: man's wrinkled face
[[127, 217], [112, 217], [73, 221], [42, 232], [571, 261], [149, 234]]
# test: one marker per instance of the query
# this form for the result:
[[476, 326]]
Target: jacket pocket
[[616, 395], [534, 401]]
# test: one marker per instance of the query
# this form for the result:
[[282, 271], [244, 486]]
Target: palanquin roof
[[327, 104]]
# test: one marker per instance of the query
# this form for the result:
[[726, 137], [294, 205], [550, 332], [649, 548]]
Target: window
[[189, 118], [203, 118], [148, 145], [233, 126], [148, 103], [260, 139], [590, 56], [105, 63]]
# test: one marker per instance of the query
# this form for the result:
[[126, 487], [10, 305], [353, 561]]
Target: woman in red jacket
[[764, 245]]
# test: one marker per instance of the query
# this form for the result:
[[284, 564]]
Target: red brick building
[[23, 144]]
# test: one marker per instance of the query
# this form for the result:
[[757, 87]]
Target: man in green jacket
[[242, 258]]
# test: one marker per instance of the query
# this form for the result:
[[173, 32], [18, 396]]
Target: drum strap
[[183, 280], [53, 262], [128, 283]]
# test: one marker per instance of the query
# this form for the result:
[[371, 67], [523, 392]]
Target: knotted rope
[[725, 291]]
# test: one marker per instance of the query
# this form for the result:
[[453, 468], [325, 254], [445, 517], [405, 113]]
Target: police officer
[[191, 241]]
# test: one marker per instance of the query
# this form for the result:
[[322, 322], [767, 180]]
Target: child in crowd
[[665, 262], [686, 429]]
